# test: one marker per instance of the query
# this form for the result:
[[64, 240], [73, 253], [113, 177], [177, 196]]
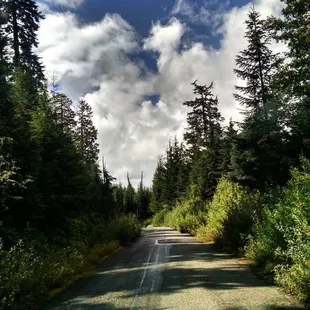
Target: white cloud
[[71, 4], [94, 61]]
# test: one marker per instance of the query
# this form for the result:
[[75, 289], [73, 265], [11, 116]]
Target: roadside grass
[[33, 271]]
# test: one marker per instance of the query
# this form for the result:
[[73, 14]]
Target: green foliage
[[282, 236], [230, 217], [32, 268], [187, 216], [124, 229]]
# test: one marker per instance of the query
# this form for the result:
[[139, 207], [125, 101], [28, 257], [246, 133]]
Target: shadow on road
[[125, 274]]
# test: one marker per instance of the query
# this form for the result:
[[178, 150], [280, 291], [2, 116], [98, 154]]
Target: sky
[[134, 62]]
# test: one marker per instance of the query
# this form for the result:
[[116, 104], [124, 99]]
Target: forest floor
[[168, 270]]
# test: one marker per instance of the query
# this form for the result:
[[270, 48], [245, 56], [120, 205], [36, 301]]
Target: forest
[[244, 186]]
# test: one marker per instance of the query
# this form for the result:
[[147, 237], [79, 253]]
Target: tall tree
[[203, 135], [293, 28], [157, 186], [259, 150], [22, 23], [293, 78], [62, 110], [129, 198], [227, 146], [86, 133], [256, 64], [204, 120]]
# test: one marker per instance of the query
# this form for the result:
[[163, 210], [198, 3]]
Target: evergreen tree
[[86, 133], [62, 110], [227, 146], [157, 201], [204, 129], [203, 135], [119, 199], [129, 198], [256, 64], [259, 150], [292, 80], [22, 23], [175, 180], [293, 28]]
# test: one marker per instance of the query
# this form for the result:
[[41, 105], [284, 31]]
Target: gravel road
[[168, 270]]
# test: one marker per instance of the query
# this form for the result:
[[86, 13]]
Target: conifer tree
[[22, 23], [256, 64], [259, 149], [204, 120], [129, 198], [86, 133], [62, 110], [227, 146], [293, 28], [292, 80], [156, 202]]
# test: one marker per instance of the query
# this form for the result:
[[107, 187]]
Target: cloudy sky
[[134, 61]]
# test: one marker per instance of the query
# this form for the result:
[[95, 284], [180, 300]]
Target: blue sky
[[134, 61]]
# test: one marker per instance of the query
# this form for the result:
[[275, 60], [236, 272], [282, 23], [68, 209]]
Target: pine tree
[[292, 80], [204, 120], [293, 28], [259, 159], [129, 198], [256, 64], [227, 146], [157, 202], [22, 23], [86, 133], [203, 135], [62, 110]]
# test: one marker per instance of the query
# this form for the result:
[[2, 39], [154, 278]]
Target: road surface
[[168, 270]]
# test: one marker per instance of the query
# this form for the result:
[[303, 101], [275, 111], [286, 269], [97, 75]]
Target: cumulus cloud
[[95, 61]]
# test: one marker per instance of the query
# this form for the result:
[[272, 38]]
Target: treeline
[[245, 185], [59, 212]]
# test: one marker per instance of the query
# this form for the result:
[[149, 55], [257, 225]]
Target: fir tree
[[86, 133], [255, 66], [129, 198], [22, 23], [62, 110], [204, 120], [157, 186]]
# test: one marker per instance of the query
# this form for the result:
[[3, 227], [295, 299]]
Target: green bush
[[124, 229], [282, 236], [32, 268], [159, 218], [187, 216], [231, 215]]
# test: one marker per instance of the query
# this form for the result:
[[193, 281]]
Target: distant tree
[[129, 198], [86, 133], [157, 187], [62, 110], [227, 146]]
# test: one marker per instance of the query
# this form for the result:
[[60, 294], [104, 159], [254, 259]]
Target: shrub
[[32, 268], [187, 216], [231, 215], [159, 218], [124, 229], [282, 237]]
